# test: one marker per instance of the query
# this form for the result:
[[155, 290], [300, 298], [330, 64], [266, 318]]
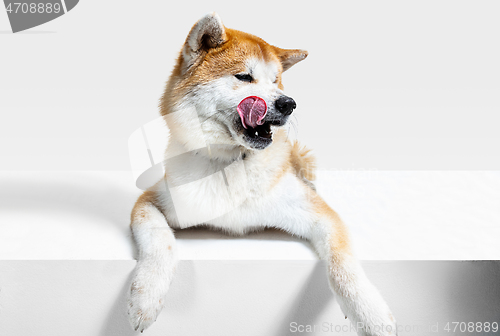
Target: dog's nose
[[285, 105]]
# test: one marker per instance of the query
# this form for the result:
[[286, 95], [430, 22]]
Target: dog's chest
[[204, 191], [201, 190]]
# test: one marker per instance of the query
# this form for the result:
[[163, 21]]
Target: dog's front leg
[[359, 299], [156, 262]]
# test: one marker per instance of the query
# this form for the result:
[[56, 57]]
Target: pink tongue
[[252, 110]]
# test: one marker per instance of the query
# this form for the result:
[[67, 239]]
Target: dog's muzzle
[[256, 119]]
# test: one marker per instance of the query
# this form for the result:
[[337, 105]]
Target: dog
[[225, 108]]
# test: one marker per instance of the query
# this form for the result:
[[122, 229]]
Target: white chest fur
[[236, 196]]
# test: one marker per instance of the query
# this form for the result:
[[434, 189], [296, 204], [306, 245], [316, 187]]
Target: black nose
[[285, 105]]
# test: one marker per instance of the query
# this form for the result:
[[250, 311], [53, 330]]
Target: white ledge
[[447, 215]]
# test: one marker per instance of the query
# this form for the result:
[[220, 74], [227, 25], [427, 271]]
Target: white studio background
[[393, 96], [388, 85]]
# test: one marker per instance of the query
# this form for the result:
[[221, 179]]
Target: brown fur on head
[[204, 80]]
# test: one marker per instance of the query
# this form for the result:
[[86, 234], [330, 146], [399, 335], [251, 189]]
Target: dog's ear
[[289, 57], [208, 32]]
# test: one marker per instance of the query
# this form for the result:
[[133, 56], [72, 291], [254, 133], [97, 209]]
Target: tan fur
[[339, 240], [138, 212], [303, 162]]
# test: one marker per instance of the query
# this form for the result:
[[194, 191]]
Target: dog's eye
[[244, 77]]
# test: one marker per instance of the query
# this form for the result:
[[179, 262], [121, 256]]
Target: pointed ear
[[289, 57], [208, 32]]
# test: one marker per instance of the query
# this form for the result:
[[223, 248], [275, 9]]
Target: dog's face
[[233, 80]]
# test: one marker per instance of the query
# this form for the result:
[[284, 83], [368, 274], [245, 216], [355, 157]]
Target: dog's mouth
[[260, 131], [255, 121], [257, 132], [260, 136]]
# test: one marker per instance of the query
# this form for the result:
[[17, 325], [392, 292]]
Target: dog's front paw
[[143, 310], [369, 313], [143, 306], [146, 299]]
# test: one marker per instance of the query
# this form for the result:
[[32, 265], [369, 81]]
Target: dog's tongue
[[252, 110]]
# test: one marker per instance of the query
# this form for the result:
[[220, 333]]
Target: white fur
[[154, 270]]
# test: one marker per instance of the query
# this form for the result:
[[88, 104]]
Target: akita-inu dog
[[225, 107]]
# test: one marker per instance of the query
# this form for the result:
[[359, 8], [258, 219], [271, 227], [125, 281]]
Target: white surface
[[391, 216]]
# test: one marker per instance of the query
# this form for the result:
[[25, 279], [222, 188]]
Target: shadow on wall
[[474, 288], [205, 232], [428, 296], [312, 299], [117, 319], [93, 197]]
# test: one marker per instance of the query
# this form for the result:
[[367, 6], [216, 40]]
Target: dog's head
[[233, 81]]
